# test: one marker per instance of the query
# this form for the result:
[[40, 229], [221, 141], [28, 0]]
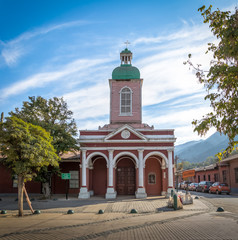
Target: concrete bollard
[[133, 211], [220, 209], [70, 211], [4, 212], [36, 212], [100, 211]]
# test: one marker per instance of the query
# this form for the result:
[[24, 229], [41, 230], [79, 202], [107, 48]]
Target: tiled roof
[[72, 155], [230, 158]]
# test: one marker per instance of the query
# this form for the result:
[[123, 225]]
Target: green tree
[[52, 115], [26, 148], [221, 80]]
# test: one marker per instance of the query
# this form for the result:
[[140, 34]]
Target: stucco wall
[[116, 86], [152, 166]]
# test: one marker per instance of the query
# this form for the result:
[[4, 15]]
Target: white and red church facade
[[126, 156]]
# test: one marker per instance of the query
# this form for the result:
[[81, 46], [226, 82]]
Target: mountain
[[198, 151]]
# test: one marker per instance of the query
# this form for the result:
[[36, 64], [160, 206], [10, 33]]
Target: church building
[[126, 156]]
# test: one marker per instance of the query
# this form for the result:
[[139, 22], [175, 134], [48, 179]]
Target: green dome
[[126, 51], [126, 72]]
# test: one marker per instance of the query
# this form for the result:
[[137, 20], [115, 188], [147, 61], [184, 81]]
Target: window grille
[[224, 176], [151, 178], [216, 178], [74, 181], [236, 175], [126, 97], [15, 181]]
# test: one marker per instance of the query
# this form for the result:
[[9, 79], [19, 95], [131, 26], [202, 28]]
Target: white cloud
[[91, 102], [181, 120], [12, 54], [188, 33], [40, 79], [185, 134], [13, 50]]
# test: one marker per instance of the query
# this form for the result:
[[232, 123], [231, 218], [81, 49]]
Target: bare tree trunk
[[46, 189], [20, 195]]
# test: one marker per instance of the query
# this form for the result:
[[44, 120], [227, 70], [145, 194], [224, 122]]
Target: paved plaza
[[153, 220]]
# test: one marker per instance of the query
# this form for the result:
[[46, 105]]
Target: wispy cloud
[[90, 102], [188, 32], [40, 79], [13, 50]]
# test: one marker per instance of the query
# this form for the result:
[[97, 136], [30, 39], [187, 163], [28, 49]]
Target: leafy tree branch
[[221, 80]]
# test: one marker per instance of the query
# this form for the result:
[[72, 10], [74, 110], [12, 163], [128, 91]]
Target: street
[[228, 202], [154, 219]]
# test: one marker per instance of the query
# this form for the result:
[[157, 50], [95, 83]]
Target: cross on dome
[[127, 43]]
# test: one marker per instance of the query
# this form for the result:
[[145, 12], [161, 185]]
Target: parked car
[[192, 186], [184, 184], [219, 188], [204, 186]]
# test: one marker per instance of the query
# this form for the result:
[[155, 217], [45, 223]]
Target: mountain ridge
[[199, 151]]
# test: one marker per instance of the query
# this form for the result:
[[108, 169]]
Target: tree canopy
[[26, 149], [52, 115], [221, 80]]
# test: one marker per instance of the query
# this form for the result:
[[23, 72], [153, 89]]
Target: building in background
[[225, 171]]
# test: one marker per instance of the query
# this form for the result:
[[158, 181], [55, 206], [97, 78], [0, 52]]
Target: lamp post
[[176, 172]]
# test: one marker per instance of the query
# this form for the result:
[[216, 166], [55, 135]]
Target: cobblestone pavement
[[228, 202], [153, 221]]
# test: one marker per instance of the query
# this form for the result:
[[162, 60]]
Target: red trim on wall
[[96, 133], [129, 144], [157, 132]]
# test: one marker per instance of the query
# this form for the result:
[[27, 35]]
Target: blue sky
[[70, 48]]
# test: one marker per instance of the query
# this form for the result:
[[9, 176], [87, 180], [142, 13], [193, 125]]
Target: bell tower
[[125, 92]]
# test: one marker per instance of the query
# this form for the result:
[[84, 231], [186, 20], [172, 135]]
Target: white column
[[170, 171], [84, 180], [111, 194], [110, 172], [140, 193], [83, 190], [141, 169]]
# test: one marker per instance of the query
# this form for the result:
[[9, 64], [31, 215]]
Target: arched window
[[126, 101]]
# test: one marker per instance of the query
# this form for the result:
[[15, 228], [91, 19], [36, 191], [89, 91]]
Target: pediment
[[125, 133]]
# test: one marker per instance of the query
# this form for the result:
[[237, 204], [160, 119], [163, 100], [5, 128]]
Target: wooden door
[[126, 180]]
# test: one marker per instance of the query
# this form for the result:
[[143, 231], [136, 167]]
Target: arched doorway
[[125, 176], [99, 176], [153, 176]]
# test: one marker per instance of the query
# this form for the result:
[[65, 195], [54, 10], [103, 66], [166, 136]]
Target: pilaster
[[170, 172], [140, 193], [111, 193], [84, 194]]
